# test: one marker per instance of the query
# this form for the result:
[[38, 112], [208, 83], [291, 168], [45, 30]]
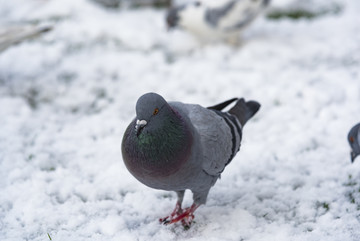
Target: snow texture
[[67, 97]]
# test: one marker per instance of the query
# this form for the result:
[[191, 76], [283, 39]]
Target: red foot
[[177, 211], [186, 217]]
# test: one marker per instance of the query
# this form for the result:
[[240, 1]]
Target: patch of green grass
[[188, 226], [326, 206], [50, 169], [351, 182], [155, 4], [277, 102], [165, 195], [351, 197], [292, 14], [302, 13], [30, 157], [353, 191]]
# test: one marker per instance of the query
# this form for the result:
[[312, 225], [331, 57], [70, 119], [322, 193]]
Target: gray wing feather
[[214, 15], [216, 139], [242, 13], [249, 16]]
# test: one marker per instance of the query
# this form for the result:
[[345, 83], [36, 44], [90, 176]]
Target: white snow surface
[[67, 97]]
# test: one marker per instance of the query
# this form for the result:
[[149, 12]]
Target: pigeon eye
[[156, 110], [197, 4], [351, 139]]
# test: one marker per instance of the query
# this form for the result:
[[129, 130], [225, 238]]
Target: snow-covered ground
[[67, 97]]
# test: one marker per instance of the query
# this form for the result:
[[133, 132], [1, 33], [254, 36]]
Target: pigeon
[[214, 20], [354, 141], [175, 146]]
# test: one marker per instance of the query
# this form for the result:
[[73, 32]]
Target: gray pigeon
[[354, 141], [174, 146], [213, 20]]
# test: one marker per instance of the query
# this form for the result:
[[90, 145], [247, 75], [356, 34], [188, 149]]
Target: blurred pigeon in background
[[354, 141], [214, 20], [175, 146], [13, 34]]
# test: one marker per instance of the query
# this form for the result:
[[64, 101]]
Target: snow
[[67, 97]]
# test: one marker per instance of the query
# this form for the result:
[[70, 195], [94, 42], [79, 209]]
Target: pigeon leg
[[168, 219], [187, 216], [177, 211]]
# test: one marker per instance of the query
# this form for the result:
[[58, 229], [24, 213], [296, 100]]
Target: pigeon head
[[353, 138], [178, 16], [158, 141], [150, 111]]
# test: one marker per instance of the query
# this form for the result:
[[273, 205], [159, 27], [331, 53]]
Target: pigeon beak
[[353, 156], [140, 125]]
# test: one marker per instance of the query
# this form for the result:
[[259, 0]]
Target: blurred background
[[70, 75]]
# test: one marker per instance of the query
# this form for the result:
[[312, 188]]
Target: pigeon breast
[[154, 156]]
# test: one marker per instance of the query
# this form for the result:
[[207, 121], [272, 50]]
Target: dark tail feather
[[222, 105], [244, 110]]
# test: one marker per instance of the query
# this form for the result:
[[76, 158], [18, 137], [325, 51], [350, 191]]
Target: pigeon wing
[[213, 16], [234, 14], [218, 137]]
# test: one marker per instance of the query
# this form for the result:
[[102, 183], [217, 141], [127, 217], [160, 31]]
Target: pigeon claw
[[177, 211], [186, 217], [165, 220], [187, 221]]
